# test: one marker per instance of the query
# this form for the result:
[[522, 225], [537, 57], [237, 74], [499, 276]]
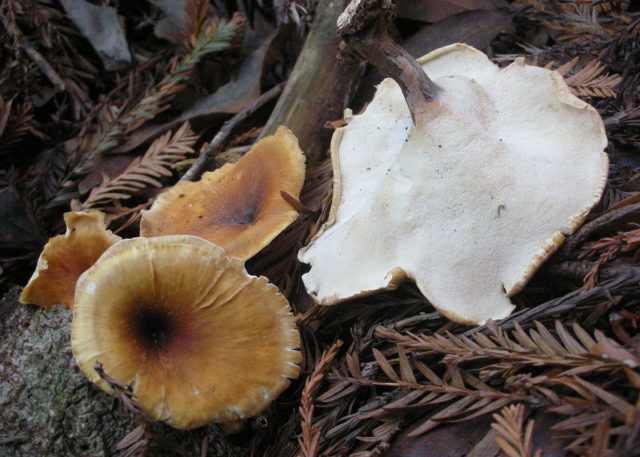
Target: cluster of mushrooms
[[173, 313], [465, 184]]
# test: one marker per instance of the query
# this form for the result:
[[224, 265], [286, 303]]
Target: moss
[[47, 407]]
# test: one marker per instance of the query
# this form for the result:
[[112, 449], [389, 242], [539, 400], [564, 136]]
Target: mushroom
[[197, 338], [498, 168], [65, 257], [239, 206]]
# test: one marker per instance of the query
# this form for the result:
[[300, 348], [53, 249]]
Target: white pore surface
[[470, 201]]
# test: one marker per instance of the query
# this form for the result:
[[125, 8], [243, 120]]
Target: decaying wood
[[363, 27], [318, 88]]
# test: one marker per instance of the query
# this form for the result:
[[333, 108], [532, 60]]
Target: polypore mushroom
[[65, 257], [499, 167], [238, 206], [197, 338]]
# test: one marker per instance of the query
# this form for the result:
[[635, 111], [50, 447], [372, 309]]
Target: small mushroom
[[197, 338], [466, 187], [65, 257], [239, 206]]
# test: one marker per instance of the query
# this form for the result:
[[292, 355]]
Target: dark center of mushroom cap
[[242, 205], [153, 330], [157, 330], [244, 214]]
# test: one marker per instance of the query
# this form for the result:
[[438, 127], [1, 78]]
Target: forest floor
[[105, 105]]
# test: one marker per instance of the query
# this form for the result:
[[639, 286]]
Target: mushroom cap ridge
[[65, 257]]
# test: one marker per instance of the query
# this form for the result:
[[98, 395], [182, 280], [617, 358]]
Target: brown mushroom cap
[[65, 257], [197, 338], [239, 206]]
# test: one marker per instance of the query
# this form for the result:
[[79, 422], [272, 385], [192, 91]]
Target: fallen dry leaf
[[100, 25]]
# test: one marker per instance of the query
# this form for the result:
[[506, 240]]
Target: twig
[[40, 61], [631, 212], [125, 395], [18, 439], [578, 269], [136, 443], [578, 299], [196, 169]]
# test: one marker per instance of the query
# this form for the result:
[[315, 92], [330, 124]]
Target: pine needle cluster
[[219, 35], [142, 174], [452, 378]]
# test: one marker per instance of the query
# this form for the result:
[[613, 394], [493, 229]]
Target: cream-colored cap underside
[[471, 200]]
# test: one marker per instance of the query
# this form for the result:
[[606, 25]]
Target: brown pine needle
[[196, 16], [608, 249], [220, 36], [591, 82], [295, 203], [513, 440], [143, 172], [310, 440]]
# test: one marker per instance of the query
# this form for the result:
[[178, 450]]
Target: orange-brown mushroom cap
[[197, 338], [239, 206], [65, 257]]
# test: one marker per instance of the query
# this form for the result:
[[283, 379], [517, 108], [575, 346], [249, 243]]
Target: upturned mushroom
[[65, 257], [497, 167], [197, 338], [239, 206]]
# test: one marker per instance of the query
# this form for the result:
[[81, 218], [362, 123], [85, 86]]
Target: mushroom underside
[[469, 201]]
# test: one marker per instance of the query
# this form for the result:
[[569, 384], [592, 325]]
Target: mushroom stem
[[363, 28]]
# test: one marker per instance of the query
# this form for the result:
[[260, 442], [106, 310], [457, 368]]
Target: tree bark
[[319, 87]]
